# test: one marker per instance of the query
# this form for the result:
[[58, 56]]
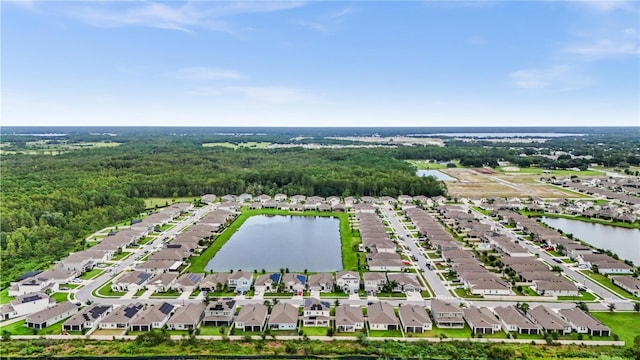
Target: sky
[[330, 63]]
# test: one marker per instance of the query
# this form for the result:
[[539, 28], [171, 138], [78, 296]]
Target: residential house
[[406, 282], [414, 319], [446, 315], [131, 280], [83, 260], [558, 286], [548, 320], [513, 320], [295, 283], [51, 315], [380, 316], [87, 318], [348, 281], [187, 317], [214, 282], [219, 313], [283, 317], [252, 317], [267, 283], [24, 305], [121, 317], [348, 318], [41, 282], [153, 317], [584, 323], [187, 282], [481, 320], [240, 281], [316, 312], [628, 283], [374, 282], [322, 282], [162, 282]]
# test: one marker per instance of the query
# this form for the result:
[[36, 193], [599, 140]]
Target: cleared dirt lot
[[472, 183]]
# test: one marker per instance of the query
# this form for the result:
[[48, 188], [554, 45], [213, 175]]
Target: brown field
[[473, 183]]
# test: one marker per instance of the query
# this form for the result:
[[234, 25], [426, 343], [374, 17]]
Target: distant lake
[[505, 135], [621, 241], [439, 175], [275, 242]]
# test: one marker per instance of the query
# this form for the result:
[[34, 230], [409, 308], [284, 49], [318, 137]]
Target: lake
[[439, 175], [621, 241], [275, 242]]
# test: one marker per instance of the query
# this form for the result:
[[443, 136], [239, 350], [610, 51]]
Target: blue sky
[[204, 63]]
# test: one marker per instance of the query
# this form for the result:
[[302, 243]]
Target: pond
[[278, 242], [621, 241], [439, 175]]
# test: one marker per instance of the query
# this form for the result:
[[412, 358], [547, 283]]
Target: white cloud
[[477, 40], [605, 5], [275, 95], [555, 77], [206, 74], [165, 15], [327, 22], [605, 48]]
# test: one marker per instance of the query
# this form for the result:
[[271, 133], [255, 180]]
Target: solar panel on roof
[[143, 276], [166, 308], [275, 277], [31, 298], [194, 278], [86, 317], [302, 279]]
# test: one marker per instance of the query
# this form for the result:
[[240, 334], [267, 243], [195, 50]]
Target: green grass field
[[60, 296], [314, 330], [244, 145], [18, 328], [385, 333], [91, 274], [4, 296], [349, 257], [635, 225], [584, 296], [625, 324], [423, 165], [604, 281], [105, 291], [541, 171], [151, 203]]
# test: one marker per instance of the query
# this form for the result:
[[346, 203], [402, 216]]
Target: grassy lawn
[[214, 330], [423, 165], [139, 292], [105, 291], [121, 256], [91, 274], [151, 203], [334, 295], [481, 210], [395, 295], [146, 239], [4, 296], [584, 296], [178, 332], [18, 328], [315, 330], [385, 333], [604, 281], [60, 296], [464, 293], [349, 257], [166, 227], [625, 324], [69, 286], [168, 294]]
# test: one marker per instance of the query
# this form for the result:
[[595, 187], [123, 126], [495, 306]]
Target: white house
[[24, 305]]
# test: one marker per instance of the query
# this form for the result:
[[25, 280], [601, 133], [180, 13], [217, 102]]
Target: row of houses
[[583, 254], [596, 187], [381, 250]]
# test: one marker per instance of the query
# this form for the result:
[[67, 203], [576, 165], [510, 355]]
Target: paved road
[[85, 293], [606, 294], [410, 242]]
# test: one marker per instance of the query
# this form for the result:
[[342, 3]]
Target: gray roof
[[316, 304], [154, 313], [511, 316], [348, 315], [413, 315], [321, 278], [580, 318], [547, 318], [189, 314], [381, 313], [439, 306], [51, 312], [374, 276], [252, 315], [90, 313], [124, 314], [283, 313], [133, 277], [480, 317]]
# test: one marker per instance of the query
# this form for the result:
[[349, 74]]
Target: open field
[[625, 324], [247, 145], [423, 165], [151, 203], [472, 183], [42, 147]]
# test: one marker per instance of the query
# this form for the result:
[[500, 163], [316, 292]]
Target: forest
[[50, 203]]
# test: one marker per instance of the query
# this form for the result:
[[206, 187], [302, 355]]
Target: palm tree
[[337, 303], [612, 307], [636, 306], [582, 306], [524, 307]]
